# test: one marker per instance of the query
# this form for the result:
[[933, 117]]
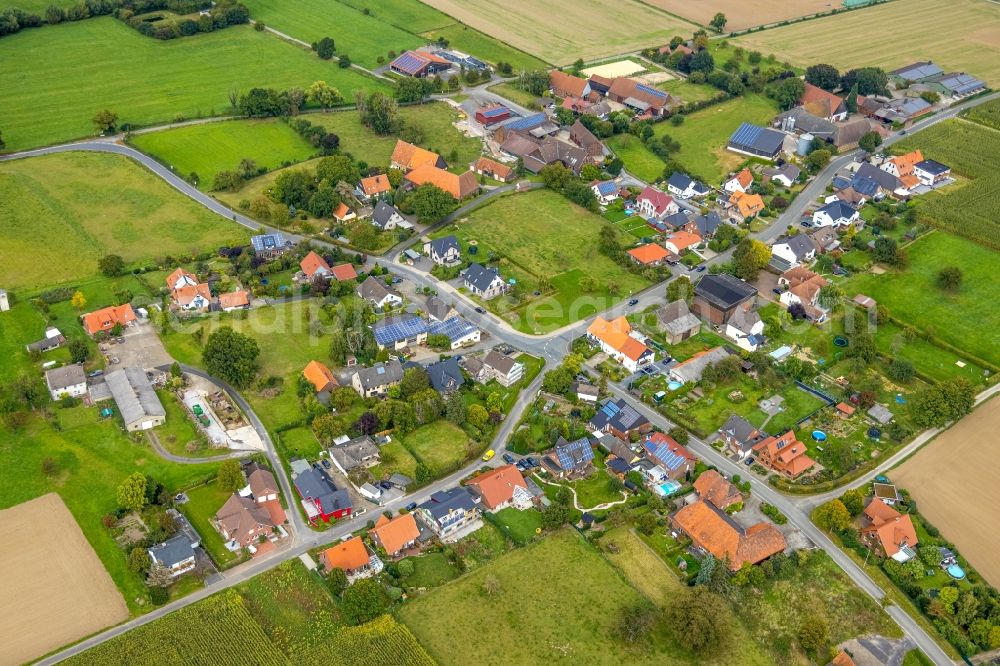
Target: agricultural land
[[961, 36], [61, 592], [742, 15]]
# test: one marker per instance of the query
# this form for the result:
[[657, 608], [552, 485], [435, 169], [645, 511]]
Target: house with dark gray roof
[[376, 380], [740, 436], [437, 309], [320, 497], [931, 172], [270, 245], [444, 251], [569, 459], [483, 282], [794, 250], [706, 225], [716, 297], [397, 332], [352, 454], [888, 183], [837, 213], [446, 376], [458, 331], [137, 402], [378, 293], [785, 175], [176, 554], [677, 321], [502, 367], [386, 217], [69, 380], [619, 418], [52, 340], [449, 511], [683, 186]]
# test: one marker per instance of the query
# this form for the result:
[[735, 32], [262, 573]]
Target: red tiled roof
[[313, 262], [179, 275], [396, 533], [348, 555], [713, 531], [649, 253], [106, 318], [501, 171], [234, 299], [567, 84], [376, 184], [187, 294], [410, 156], [319, 375], [712, 487], [497, 487], [893, 529], [344, 272], [458, 186], [683, 240]]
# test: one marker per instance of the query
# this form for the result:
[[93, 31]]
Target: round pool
[[673, 386], [840, 341], [955, 571], [819, 435]]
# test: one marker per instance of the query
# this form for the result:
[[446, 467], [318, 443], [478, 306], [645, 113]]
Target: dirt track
[[954, 482], [56, 590]]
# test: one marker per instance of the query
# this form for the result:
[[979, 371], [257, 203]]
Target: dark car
[[385, 485], [701, 269], [532, 461], [633, 301], [481, 310], [509, 459], [397, 280], [521, 465], [411, 506], [748, 461], [806, 223], [777, 291], [326, 463]]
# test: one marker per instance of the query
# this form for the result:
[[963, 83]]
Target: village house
[[445, 376], [234, 300], [892, 533], [373, 187], [684, 187], [717, 297], [106, 319], [320, 497], [320, 376], [459, 332], [344, 272], [715, 532], [459, 186], [386, 218], [704, 225], [835, 214], [176, 554], [351, 454], [803, 286], [785, 455], [270, 245], [740, 182], [653, 203], [585, 392], [395, 535], [740, 436], [690, 371], [501, 488], [187, 292], [376, 380], [787, 174], [407, 156], [675, 460], [314, 266], [617, 448], [537, 153], [483, 282], [649, 254], [53, 340], [715, 488], [242, 523], [742, 206], [620, 419], [67, 381], [343, 213], [793, 251], [606, 191], [352, 557], [503, 368], [585, 139], [616, 339], [400, 332], [825, 239], [569, 459], [645, 100], [566, 85], [746, 329], [443, 251], [448, 512], [419, 64], [823, 104], [679, 241], [677, 321], [378, 293], [931, 172], [901, 166], [437, 310], [484, 166]]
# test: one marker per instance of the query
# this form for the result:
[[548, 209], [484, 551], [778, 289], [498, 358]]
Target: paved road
[[154, 441]]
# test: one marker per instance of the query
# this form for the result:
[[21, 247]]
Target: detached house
[[930, 172], [569, 459], [886, 529], [176, 554], [448, 511], [713, 487], [351, 557], [793, 250], [502, 367], [396, 534], [620, 419], [715, 532], [902, 167], [746, 329], [741, 182], [69, 380], [787, 174], [740, 436], [649, 254], [691, 369], [378, 293], [387, 218], [675, 460], [501, 488], [407, 156], [837, 213], [270, 245], [653, 203], [313, 266], [483, 282], [677, 321], [351, 454], [785, 455], [320, 498], [606, 191], [445, 376], [684, 187], [681, 240], [376, 380], [443, 251], [803, 286], [717, 297], [566, 85], [373, 187], [242, 523], [484, 166], [616, 340], [320, 376], [742, 206], [823, 104], [459, 186]]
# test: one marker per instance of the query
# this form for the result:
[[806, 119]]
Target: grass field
[[209, 149], [967, 319], [689, 92], [410, 15], [57, 219], [969, 207], [514, 94], [362, 37], [470, 40], [623, 26], [952, 478], [960, 35], [441, 445], [639, 160], [201, 507], [60, 592], [987, 114], [53, 99], [542, 236], [742, 15]]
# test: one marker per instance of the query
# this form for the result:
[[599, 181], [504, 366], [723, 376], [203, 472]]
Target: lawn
[[440, 445], [57, 220], [364, 38], [92, 457], [179, 430], [204, 502], [547, 244], [54, 98], [515, 94], [967, 208], [961, 35], [689, 92], [298, 443], [639, 160], [431, 570], [214, 147], [704, 135], [395, 458], [409, 15], [520, 526], [935, 362], [967, 319]]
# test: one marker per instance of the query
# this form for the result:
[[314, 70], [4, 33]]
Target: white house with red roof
[[654, 203], [741, 182]]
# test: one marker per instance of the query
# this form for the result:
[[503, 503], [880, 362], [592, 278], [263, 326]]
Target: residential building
[[931, 172], [691, 369], [885, 493], [270, 245], [677, 321], [787, 174], [176, 554], [314, 266], [378, 293], [261, 486], [536, 153], [395, 535], [459, 332], [373, 187], [484, 166], [740, 436], [448, 511], [419, 64], [620, 419], [716, 489], [460, 186], [836, 214], [617, 339], [443, 251], [742, 206], [617, 448], [823, 104], [654, 203], [825, 239], [503, 368], [351, 454], [483, 282], [793, 250], [676, 461], [785, 455], [749, 139], [446, 376], [497, 489], [234, 300], [376, 380], [386, 218], [69, 380], [647, 101], [649, 254], [704, 225], [885, 184], [566, 85], [803, 286], [585, 392], [407, 156], [343, 213], [181, 278], [320, 376], [606, 191], [352, 557], [437, 310], [242, 523], [569, 459], [715, 532], [740, 182], [192, 297], [717, 297], [679, 241], [320, 497], [399, 332], [684, 187], [746, 329], [585, 139], [106, 319], [53, 340], [137, 402], [886, 529]]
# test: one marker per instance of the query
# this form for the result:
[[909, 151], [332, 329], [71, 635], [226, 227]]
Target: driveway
[[142, 348]]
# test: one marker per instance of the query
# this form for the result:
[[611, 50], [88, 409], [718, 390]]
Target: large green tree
[[364, 601], [378, 111], [231, 356], [700, 621], [833, 516], [131, 493], [823, 76], [230, 477], [430, 203]]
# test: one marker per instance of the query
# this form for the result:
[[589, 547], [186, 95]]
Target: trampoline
[[840, 341]]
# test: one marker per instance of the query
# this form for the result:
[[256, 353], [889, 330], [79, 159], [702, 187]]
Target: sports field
[[60, 213], [953, 480], [103, 64], [963, 35], [560, 31], [56, 590], [743, 14], [214, 147]]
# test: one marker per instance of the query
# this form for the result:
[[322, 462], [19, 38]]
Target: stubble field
[[742, 14], [963, 35], [953, 480], [56, 590]]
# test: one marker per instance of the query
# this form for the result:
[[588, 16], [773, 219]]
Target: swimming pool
[[819, 435], [955, 571], [673, 386], [667, 488]]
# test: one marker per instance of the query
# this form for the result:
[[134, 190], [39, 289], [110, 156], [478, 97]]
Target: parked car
[[326, 464], [777, 291], [532, 462], [385, 485], [96, 373], [666, 360], [701, 269], [489, 455], [749, 461], [509, 459], [411, 506], [633, 301]]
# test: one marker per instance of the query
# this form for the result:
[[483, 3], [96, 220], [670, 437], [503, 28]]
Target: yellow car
[[489, 455]]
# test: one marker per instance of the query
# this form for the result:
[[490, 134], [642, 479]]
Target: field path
[[154, 441]]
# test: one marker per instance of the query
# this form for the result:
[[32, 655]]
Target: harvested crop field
[[614, 69], [743, 14], [560, 31], [953, 480], [56, 591], [963, 35]]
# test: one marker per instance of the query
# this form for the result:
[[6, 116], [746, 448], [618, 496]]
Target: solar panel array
[[607, 187], [668, 458], [651, 91], [455, 328], [409, 63], [527, 121], [575, 453], [760, 138], [399, 329], [497, 111]]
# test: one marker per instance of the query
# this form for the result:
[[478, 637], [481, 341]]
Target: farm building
[[492, 114], [754, 140], [137, 402], [419, 64]]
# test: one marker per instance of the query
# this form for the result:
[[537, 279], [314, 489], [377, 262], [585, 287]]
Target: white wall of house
[[74, 391]]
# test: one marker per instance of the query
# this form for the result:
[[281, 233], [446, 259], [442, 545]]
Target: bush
[[158, 595]]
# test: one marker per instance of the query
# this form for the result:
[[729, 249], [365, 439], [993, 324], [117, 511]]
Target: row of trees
[[861, 81]]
